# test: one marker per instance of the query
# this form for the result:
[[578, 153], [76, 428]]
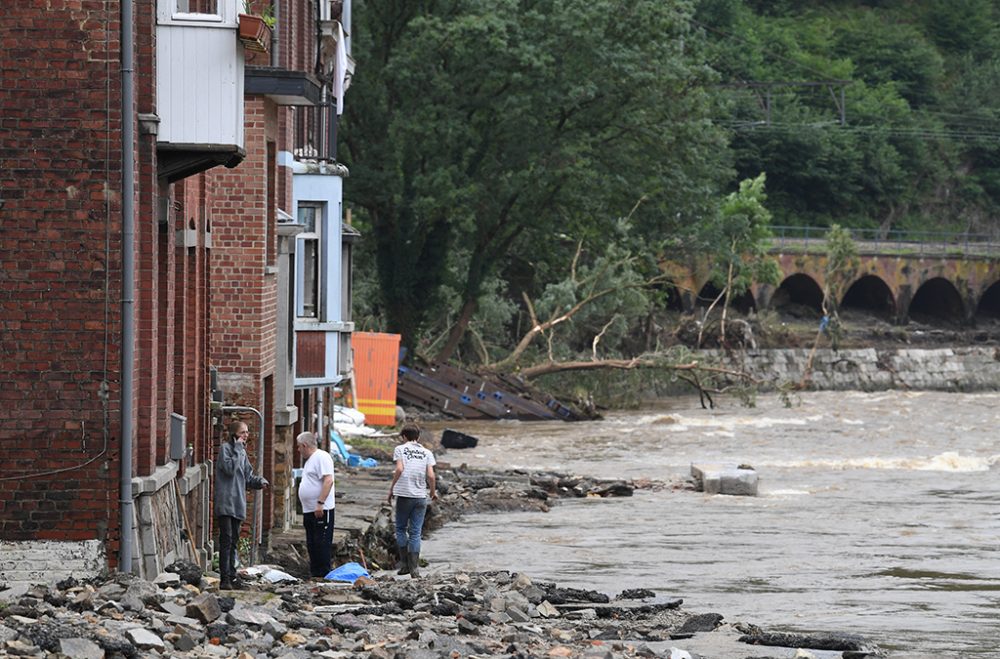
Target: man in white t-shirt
[[412, 483], [316, 493]]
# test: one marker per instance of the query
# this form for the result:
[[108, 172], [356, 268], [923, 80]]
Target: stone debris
[[466, 614], [494, 614], [734, 480]]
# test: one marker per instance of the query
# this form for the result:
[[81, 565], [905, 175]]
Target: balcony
[[199, 86], [334, 36], [315, 133]]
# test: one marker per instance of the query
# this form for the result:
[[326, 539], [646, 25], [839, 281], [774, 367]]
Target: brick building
[[184, 267], [281, 341]]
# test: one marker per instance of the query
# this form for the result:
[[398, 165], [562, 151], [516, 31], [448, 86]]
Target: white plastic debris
[[277, 576]]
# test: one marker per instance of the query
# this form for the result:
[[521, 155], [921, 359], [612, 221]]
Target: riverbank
[[955, 369], [443, 614], [553, 621]]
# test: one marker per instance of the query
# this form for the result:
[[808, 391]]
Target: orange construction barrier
[[376, 366]]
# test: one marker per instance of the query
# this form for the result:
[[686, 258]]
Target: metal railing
[[897, 242], [315, 133]]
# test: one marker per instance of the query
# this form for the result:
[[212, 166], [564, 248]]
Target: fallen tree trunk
[[548, 368]]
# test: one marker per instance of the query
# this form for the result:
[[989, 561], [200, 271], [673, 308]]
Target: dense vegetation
[[519, 168]]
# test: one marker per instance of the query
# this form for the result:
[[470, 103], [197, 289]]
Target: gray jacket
[[233, 475]]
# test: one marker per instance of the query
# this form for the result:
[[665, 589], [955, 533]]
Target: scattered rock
[[704, 622], [188, 572]]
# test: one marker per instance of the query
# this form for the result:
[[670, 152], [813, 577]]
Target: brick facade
[[61, 282], [59, 271], [206, 292]]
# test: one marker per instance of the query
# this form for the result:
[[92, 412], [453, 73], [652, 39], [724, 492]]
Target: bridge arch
[[970, 291], [872, 295], [742, 303], [989, 302], [800, 290], [939, 299], [672, 299]]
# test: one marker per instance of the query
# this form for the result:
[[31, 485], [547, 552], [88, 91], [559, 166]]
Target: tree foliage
[[495, 145], [478, 127], [917, 148]]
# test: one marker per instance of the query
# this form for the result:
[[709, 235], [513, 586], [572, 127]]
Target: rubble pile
[[488, 614]]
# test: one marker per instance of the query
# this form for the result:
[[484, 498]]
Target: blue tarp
[[340, 452], [349, 572]]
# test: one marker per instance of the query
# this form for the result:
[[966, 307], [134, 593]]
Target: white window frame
[[315, 237], [225, 15]]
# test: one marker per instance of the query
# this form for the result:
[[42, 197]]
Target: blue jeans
[[319, 541], [409, 522]]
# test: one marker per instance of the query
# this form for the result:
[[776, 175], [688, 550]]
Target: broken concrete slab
[[720, 478]]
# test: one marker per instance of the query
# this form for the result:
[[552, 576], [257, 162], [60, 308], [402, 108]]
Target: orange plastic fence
[[376, 366]]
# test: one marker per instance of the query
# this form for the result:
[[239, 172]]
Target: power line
[[926, 133]]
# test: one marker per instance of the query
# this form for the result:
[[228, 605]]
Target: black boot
[[414, 563], [403, 564]]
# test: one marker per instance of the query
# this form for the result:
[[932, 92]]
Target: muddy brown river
[[878, 514]]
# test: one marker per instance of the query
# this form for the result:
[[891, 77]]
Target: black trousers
[[229, 538], [319, 541]]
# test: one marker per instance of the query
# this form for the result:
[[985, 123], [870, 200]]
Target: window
[[197, 6], [311, 218]]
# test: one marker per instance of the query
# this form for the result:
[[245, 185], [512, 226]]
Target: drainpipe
[[275, 37], [260, 472], [128, 283]]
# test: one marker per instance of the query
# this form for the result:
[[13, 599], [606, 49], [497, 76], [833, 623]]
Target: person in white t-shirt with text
[[413, 485], [316, 494]]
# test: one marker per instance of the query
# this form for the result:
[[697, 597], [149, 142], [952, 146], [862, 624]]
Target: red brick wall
[[59, 269], [61, 279], [243, 290]]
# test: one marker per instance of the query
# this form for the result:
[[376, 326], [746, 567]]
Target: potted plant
[[255, 29]]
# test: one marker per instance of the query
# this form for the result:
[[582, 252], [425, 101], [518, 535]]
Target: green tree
[[741, 237], [481, 126]]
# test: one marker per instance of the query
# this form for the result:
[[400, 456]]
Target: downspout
[[260, 472], [128, 283], [275, 37]]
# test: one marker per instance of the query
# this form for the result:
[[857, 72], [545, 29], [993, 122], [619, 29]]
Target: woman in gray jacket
[[233, 475]]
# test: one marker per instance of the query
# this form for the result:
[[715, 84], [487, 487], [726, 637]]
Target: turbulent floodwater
[[878, 514]]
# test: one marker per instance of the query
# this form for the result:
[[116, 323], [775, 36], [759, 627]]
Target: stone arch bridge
[[956, 285]]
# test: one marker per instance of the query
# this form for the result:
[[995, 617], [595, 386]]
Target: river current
[[878, 514]]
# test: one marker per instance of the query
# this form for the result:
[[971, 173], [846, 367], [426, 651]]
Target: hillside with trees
[[521, 170]]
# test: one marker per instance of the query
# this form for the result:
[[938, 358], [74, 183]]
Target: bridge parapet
[[894, 242]]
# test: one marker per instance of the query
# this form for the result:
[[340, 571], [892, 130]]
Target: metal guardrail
[[899, 242]]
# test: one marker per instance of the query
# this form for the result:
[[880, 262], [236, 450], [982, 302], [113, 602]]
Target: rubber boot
[[414, 564], [403, 565]]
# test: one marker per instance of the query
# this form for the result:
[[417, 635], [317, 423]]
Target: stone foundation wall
[[50, 561], [941, 369]]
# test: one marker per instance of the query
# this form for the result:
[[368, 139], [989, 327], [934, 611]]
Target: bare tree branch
[[597, 339], [704, 321], [627, 364], [538, 328], [576, 259]]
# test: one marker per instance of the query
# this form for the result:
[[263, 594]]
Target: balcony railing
[[315, 133]]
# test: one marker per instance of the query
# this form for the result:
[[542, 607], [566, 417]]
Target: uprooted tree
[[583, 323]]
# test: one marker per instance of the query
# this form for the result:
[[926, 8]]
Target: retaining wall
[[940, 369]]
